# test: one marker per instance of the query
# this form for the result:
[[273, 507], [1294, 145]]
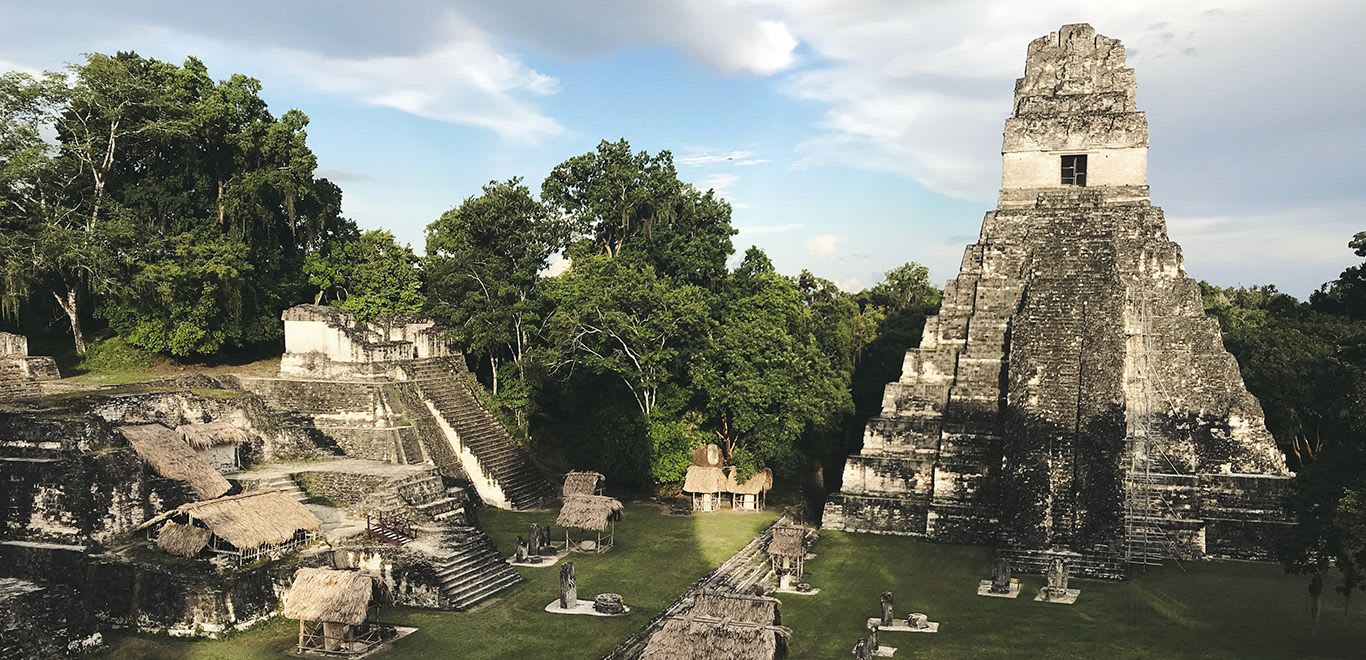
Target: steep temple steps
[[473, 571], [447, 386]]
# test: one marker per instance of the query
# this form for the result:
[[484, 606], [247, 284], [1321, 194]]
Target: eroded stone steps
[[503, 460], [474, 570]]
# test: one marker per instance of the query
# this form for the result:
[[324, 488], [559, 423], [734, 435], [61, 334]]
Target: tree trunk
[[222, 210], [70, 305], [1315, 603], [493, 366]]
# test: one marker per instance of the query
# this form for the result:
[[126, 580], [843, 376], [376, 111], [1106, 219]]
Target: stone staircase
[[428, 496], [283, 483], [473, 570], [14, 382], [446, 385], [428, 431]]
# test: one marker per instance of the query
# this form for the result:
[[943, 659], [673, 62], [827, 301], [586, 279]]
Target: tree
[[612, 194], [147, 156], [1345, 296], [190, 300], [618, 316], [625, 201], [371, 277], [484, 263], [763, 375], [1306, 363]]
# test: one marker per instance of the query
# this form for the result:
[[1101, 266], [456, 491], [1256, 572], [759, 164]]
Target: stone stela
[[1001, 585], [608, 604], [1055, 589], [1071, 393]]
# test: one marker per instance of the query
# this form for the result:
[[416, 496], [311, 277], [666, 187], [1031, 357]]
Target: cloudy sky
[[850, 135]]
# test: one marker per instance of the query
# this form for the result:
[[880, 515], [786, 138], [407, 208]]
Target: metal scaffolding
[[1147, 511]]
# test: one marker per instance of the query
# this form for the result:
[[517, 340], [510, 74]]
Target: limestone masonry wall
[[1071, 393]]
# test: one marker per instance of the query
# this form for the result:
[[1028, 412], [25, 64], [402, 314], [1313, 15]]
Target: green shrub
[[115, 354]]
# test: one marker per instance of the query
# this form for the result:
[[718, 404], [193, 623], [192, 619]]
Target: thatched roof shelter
[[247, 521], [183, 540], [787, 542], [704, 479], [582, 483], [739, 607], [760, 482], [333, 596], [170, 457], [722, 627], [211, 434], [590, 512]]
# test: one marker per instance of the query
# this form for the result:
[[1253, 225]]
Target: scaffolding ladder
[[1147, 542]]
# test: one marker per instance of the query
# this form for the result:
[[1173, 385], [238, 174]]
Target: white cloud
[[824, 245], [1309, 239], [558, 264], [465, 81], [7, 66], [850, 284], [720, 182], [769, 229], [693, 160], [921, 89]]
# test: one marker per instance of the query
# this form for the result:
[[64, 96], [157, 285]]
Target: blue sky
[[850, 136]]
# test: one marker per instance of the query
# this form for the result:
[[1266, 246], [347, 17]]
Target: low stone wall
[[175, 596], [181, 603], [342, 487], [379, 444], [43, 621]]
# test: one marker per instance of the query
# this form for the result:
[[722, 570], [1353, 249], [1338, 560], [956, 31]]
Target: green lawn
[[657, 557], [1213, 610]]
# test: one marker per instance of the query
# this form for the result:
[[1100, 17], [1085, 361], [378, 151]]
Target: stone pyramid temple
[[1071, 396]]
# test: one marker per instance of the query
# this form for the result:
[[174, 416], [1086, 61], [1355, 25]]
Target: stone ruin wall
[[327, 343], [1070, 327], [75, 489], [151, 596], [20, 373]]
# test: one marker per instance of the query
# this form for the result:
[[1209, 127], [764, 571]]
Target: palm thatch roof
[[211, 434], [249, 520], [707, 456], [787, 542], [161, 448], [760, 482], [739, 607], [332, 596], [722, 627], [590, 512], [582, 483], [183, 540], [704, 479]]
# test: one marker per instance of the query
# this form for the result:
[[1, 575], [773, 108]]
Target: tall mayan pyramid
[[1071, 395]]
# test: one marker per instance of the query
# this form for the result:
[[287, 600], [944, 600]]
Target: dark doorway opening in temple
[[1074, 170]]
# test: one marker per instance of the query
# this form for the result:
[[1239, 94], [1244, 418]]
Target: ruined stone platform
[[984, 589], [1068, 598], [899, 625], [581, 607]]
